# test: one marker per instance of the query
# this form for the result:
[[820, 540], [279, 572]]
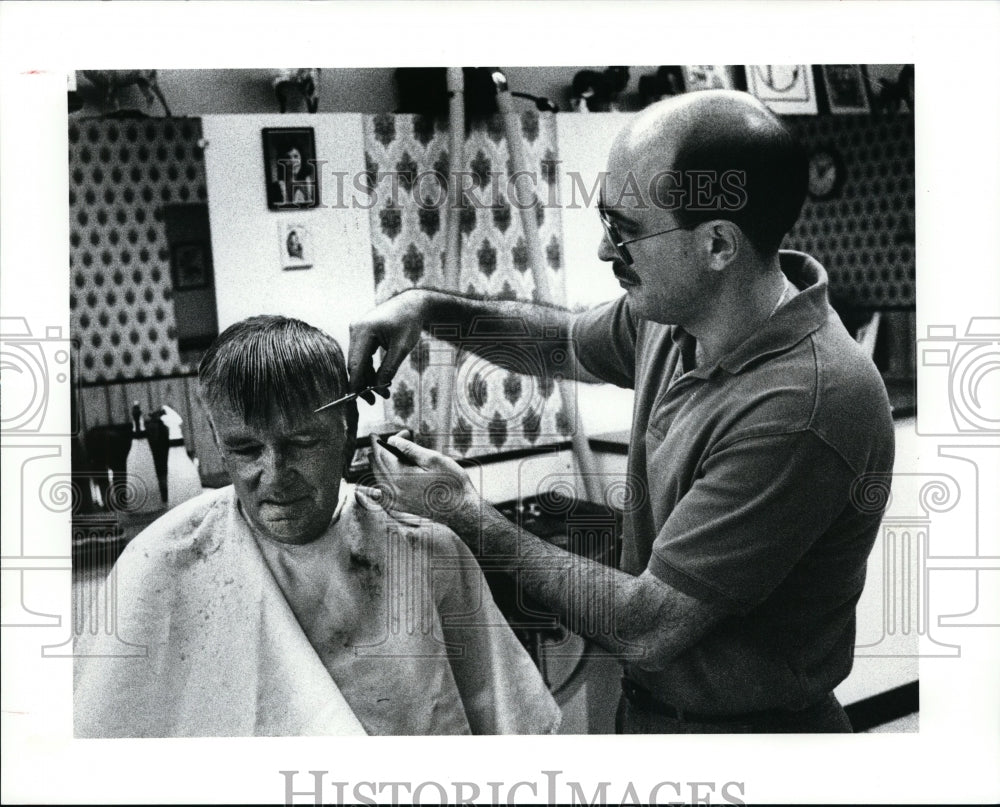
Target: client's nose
[[276, 467]]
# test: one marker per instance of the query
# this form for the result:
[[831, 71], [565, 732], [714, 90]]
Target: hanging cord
[[581, 446], [453, 245]]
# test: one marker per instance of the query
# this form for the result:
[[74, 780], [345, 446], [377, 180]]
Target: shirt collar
[[794, 321]]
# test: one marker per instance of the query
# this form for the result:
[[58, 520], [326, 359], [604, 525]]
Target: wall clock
[[826, 174]]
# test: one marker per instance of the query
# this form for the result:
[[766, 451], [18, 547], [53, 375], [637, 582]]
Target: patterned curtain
[[492, 409]]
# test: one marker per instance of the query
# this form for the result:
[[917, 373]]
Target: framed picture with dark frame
[[191, 266], [290, 168], [845, 89]]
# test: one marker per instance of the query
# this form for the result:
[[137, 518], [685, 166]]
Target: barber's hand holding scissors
[[395, 327], [425, 483]]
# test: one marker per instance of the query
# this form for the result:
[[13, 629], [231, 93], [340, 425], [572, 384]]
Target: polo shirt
[[745, 475]]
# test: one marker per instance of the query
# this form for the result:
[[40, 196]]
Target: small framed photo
[[845, 89], [191, 266], [787, 89], [290, 168], [295, 245], [707, 77]]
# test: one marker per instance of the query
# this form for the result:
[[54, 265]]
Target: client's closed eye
[[244, 450], [306, 443]]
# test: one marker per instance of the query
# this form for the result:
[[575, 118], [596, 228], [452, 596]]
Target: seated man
[[289, 604]]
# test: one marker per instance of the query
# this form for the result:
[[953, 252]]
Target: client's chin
[[294, 522]]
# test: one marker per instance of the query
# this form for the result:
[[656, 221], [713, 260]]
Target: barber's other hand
[[394, 326], [434, 486]]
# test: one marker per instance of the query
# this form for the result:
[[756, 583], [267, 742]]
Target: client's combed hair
[[269, 365]]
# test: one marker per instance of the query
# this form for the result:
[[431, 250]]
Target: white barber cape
[[378, 627]]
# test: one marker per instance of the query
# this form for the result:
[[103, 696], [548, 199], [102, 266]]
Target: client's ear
[[200, 398], [351, 416], [215, 437]]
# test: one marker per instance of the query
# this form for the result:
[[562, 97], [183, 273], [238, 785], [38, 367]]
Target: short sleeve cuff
[[603, 341], [692, 586]]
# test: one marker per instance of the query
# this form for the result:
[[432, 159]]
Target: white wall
[[584, 143]]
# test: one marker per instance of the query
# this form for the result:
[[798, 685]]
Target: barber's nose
[[605, 249]]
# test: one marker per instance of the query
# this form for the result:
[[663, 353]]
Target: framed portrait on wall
[[290, 168], [787, 89], [845, 89], [191, 266], [295, 245], [707, 77]]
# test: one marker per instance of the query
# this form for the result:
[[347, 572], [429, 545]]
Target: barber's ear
[[722, 243]]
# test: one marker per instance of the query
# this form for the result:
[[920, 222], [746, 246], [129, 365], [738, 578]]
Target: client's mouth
[[284, 501]]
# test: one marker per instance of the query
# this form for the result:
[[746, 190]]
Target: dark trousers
[[826, 717]]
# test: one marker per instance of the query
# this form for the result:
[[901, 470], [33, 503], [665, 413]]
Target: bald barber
[[756, 421]]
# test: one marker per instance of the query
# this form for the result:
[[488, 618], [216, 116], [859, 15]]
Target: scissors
[[350, 396]]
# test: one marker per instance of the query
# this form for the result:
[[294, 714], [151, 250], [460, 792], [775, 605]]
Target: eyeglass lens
[[614, 236]]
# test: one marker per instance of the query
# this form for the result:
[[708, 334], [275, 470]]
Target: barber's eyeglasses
[[615, 237]]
